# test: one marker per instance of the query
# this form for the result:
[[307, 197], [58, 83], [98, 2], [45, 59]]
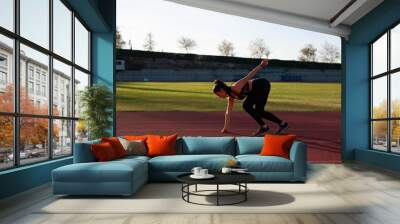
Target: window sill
[[30, 166], [382, 159]]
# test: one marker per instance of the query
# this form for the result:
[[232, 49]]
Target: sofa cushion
[[112, 171], [103, 152], [134, 147], [116, 145], [207, 145], [135, 137], [159, 145], [185, 163], [257, 163], [277, 145], [133, 157], [249, 145]]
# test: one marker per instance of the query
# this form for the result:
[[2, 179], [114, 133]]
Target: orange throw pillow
[[103, 152], [161, 145], [135, 137], [277, 145], [116, 145]]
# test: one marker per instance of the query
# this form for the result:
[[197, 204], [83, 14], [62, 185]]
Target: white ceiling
[[321, 9], [314, 15]]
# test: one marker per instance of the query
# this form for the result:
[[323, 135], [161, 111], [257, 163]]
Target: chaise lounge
[[125, 176]]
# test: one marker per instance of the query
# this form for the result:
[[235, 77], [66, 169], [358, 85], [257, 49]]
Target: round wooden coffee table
[[238, 179]]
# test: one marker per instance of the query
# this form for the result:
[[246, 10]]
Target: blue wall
[[100, 16], [24, 178], [104, 54], [356, 83]]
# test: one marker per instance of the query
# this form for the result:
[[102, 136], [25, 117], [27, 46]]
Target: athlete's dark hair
[[220, 85]]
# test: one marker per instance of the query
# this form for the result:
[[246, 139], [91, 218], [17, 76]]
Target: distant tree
[[258, 48], [308, 53], [395, 124], [329, 53], [380, 128], [226, 48], [119, 41], [34, 131], [187, 44], [149, 43], [130, 44]]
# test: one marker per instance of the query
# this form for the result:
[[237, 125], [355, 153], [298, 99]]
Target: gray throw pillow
[[135, 147]]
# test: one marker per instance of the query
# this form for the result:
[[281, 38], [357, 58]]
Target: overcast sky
[[169, 21]]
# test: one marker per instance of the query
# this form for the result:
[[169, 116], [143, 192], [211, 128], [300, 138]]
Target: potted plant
[[96, 104]]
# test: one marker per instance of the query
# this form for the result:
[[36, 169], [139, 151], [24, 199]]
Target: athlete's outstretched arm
[[237, 86], [229, 107]]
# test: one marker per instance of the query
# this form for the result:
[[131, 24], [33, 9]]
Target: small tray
[[208, 176]]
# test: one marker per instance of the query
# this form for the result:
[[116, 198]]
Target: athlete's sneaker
[[282, 128], [261, 130]]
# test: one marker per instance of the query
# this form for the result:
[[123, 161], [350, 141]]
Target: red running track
[[320, 130]]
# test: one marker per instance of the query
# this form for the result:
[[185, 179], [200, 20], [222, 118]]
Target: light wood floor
[[378, 189]]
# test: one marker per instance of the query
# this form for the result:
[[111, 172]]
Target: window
[[37, 90], [62, 29], [44, 91], [7, 14], [385, 92], [6, 73], [62, 137], [30, 87], [30, 72], [35, 21], [44, 116], [33, 140], [3, 72], [3, 61], [3, 78], [6, 142], [37, 74], [62, 74], [395, 47], [81, 45], [81, 82]]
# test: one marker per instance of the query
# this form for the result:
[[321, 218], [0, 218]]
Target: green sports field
[[197, 96]]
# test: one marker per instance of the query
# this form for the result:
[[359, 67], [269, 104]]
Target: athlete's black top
[[244, 92]]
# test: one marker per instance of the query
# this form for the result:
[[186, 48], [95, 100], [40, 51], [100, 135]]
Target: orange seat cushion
[[103, 151], [116, 145], [277, 145], [161, 145]]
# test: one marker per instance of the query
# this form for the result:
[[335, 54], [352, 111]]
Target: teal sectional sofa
[[125, 176]]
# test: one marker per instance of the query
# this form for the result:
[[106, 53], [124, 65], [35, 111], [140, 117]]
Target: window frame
[[16, 114], [388, 74]]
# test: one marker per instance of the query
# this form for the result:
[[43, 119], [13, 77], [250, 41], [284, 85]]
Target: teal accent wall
[[355, 99], [103, 53], [24, 178], [100, 17], [103, 58]]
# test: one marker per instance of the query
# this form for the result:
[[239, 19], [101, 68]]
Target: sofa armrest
[[298, 155], [83, 152]]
